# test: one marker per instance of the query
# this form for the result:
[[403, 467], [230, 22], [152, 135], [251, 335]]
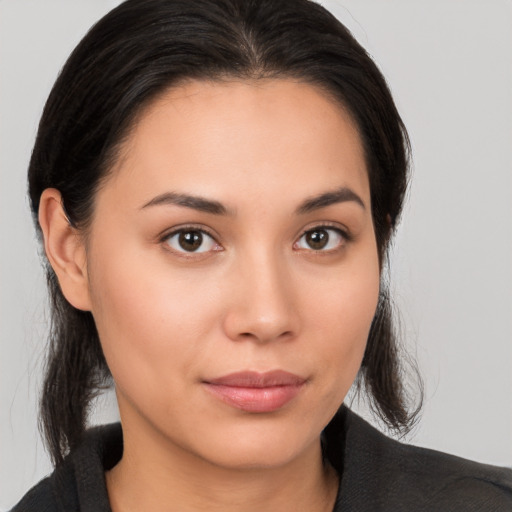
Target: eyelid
[[327, 225], [187, 227]]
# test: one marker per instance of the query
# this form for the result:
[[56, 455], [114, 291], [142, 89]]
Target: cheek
[[344, 299], [341, 311], [149, 319]]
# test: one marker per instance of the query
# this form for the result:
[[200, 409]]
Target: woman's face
[[233, 271]]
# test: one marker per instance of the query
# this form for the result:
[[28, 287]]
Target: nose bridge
[[263, 306]]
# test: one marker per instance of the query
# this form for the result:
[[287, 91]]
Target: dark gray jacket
[[376, 474]]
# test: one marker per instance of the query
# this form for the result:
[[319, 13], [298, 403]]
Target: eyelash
[[346, 238]]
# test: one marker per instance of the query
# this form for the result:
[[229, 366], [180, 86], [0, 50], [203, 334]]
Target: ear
[[64, 249]]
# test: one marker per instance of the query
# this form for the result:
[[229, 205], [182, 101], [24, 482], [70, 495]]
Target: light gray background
[[449, 66]]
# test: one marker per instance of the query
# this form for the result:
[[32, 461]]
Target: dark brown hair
[[133, 54]]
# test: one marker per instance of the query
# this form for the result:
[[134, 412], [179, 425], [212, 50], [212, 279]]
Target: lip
[[256, 392]]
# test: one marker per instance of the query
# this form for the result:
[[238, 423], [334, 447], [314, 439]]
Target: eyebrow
[[340, 195], [194, 202], [211, 206]]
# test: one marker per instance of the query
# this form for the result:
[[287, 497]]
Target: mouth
[[256, 392]]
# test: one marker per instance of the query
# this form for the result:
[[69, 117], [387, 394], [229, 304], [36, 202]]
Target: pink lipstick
[[256, 392]]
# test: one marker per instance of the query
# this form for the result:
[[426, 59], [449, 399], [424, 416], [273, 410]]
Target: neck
[[151, 478]]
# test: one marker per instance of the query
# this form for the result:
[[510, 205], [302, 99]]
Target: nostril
[[263, 337]]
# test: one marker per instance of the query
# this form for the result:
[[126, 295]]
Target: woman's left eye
[[191, 241], [321, 239]]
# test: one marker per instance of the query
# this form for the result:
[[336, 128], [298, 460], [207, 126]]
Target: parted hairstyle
[[138, 51]]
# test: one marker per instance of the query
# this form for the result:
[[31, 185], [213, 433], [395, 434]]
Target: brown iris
[[190, 240], [317, 239]]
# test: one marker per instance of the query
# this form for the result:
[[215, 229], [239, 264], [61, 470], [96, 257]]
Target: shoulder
[[55, 493], [79, 483], [398, 476]]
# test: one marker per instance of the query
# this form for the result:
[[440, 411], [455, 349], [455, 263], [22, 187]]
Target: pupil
[[190, 240], [317, 239]]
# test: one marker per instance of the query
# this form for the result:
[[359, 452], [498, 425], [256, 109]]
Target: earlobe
[[64, 249]]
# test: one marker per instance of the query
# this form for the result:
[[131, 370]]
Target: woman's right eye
[[191, 241]]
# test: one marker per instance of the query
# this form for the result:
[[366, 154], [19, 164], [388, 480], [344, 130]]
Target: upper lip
[[252, 379]]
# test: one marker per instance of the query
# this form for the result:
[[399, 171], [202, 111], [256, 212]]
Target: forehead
[[232, 139]]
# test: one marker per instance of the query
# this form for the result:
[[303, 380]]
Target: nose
[[263, 305]]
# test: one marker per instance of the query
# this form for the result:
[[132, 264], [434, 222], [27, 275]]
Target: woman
[[216, 184]]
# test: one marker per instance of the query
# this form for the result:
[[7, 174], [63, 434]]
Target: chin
[[262, 447]]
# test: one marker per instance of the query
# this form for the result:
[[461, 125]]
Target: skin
[[256, 296]]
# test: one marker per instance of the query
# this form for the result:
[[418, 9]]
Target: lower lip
[[255, 399]]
